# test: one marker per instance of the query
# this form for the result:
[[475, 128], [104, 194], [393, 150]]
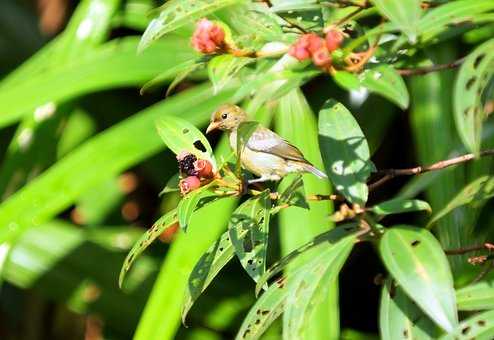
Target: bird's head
[[227, 117]]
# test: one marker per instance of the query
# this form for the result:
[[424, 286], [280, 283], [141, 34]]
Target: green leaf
[[206, 269], [310, 284], [57, 188], [416, 261], [116, 59], [266, 309], [472, 79], [400, 318], [180, 135], [405, 14], [194, 201], [223, 68], [176, 13], [323, 240], [480, 326], [383, 80], [399, 205], [293, 194], [438, 20], [244, 131], [475, 192], [248, 230], [145, 240], [344, 151], [477, 296], [171, 185]]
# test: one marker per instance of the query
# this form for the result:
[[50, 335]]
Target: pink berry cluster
[[311, 45], [208, 37], [192, 170]]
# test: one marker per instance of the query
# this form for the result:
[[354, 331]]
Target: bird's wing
[[265, 140]]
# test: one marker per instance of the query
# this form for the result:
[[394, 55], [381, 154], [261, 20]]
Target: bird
[[266, 154]]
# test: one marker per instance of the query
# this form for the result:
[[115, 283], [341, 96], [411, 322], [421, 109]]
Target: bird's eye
[[224, 116]]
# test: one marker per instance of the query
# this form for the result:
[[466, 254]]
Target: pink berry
[[208, 37], [203, 168], [189, 184], [322, 57], [334, 38], [305, 46]]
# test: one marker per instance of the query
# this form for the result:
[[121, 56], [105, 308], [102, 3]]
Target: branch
[[430, 69], [389, 174], [464, 250]]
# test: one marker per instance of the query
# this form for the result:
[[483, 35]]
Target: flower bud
[[322, 57], [189, 184], [208, 37], [305, 46], [334, 38], [203, 168]]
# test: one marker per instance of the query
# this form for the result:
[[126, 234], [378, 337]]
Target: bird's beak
[[212, 126]]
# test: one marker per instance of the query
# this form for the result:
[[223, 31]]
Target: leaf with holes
[[266, 309], [477, 191], [248, 230], [146, 239], [417, 262], [480, 326], [223, 68], [345, 151], [180, 135], [477, 296], [176, 13], [400, 318], [400, 205], [193, 201], [206, 269], [405, 14], [326, 239], [309, 284], [469, 94]]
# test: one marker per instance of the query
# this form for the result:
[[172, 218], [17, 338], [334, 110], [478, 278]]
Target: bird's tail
[[312, 169]]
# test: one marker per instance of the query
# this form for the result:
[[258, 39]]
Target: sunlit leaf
[[244, 131], [480, 326], [473, 77], [248, 230], [145, 240], [206, 269], [193, 201], [477, 296], [403, 13], [344, 151], [180, 135], [400, 318], [398, 205], [224, 67], [475, 192], [176, 13], [416, 261]]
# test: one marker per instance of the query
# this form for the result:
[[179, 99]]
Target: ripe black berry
[[186, 164]]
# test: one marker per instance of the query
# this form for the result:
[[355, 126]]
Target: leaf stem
[[469, 249], [389, 174]]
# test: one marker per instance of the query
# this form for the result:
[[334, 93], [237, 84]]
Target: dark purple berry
[[186, 164]]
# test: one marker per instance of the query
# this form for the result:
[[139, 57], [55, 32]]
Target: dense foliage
[[365, 89]]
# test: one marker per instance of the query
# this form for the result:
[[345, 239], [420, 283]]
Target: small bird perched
[[266, 154]]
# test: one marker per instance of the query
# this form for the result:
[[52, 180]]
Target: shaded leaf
[[145, 240], [344, 151], [171, 185], [176, 13], [416, 261], [475, 192], [248, 230], [180, 135], [206, 269], [480, 326], [293, 194], [400, 318], [310, 284], [474, 75], [477, 296], [405, 14], [223, 68], [399, 205]]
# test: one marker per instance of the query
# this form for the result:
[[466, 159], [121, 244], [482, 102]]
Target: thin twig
[[389, 174], [484, 272], [430, 69], [469, 249], [349, 16]]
